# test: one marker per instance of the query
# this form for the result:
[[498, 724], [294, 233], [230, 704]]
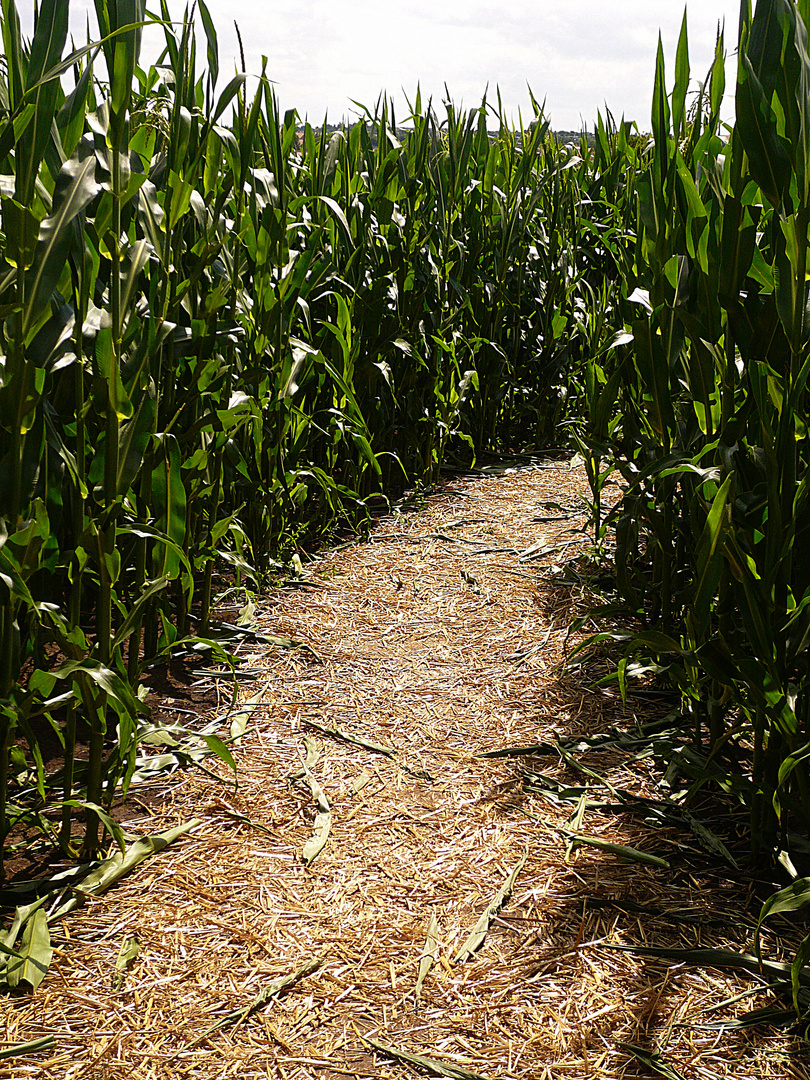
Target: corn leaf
[[479, 932], [431, 1065], [429, 953]]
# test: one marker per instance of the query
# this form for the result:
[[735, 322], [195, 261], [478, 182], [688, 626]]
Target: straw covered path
[[438, 640]]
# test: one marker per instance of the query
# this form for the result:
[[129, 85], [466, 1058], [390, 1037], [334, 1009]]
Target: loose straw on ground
[[438, 641]]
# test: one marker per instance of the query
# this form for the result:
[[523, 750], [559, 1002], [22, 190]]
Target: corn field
[[221, 337], [225, 334], [702, 407]]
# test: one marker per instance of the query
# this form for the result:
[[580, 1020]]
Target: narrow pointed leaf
[[479, 932], [429, 953], [35, 953]]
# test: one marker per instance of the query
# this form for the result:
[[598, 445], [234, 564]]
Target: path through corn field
[[438, 641]]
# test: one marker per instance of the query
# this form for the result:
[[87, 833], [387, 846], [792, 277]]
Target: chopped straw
[[408, 656]]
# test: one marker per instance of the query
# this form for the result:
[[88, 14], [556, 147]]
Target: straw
[[414, 660]]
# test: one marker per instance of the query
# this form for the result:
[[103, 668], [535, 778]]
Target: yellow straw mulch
[[425, 646]]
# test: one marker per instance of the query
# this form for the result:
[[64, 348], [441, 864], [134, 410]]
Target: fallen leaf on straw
[[476, 938], [261, 999], [323, 819], [117, 866], [630, 853], [652, 1061], [127, 955], [361, 781], [432, 1065], [33, 959], [46, 1043], [428, 956], [336, 733]]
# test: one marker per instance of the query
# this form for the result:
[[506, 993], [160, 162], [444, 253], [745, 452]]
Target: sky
[[576, 55]]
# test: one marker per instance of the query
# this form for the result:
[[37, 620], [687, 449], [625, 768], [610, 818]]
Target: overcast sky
[[575, 54]]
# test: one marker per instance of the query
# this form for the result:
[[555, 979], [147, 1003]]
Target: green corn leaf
[[756, 124], [47, 1042], [793, 897], [34, 954], [227, 96], [797, 968], [110, 371], [75, 187], [109, 823], [654, 371], [121, 25], [169, 502], [630, 854], [21, 226], [133, 617], [719, 958], [180, 192], [211, 39], [652, 1060], [133, 438], [432, 1065], [50, 35], [709, 559], [220, 750], [681, 87], [117, 866]]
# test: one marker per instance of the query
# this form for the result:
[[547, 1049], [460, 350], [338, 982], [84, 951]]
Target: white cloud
[[576, 56]]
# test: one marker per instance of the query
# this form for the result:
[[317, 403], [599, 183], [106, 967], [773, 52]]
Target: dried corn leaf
[[431, 1065], [323, 819], [271, 990], [575, 821], [428, 956], [312, 754], [538, 549], [117, 866], [476, 938], [320, 834], [337, 733], [361, 781]]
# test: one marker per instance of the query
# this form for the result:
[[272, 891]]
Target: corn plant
[[223, 333], [708, 380]]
